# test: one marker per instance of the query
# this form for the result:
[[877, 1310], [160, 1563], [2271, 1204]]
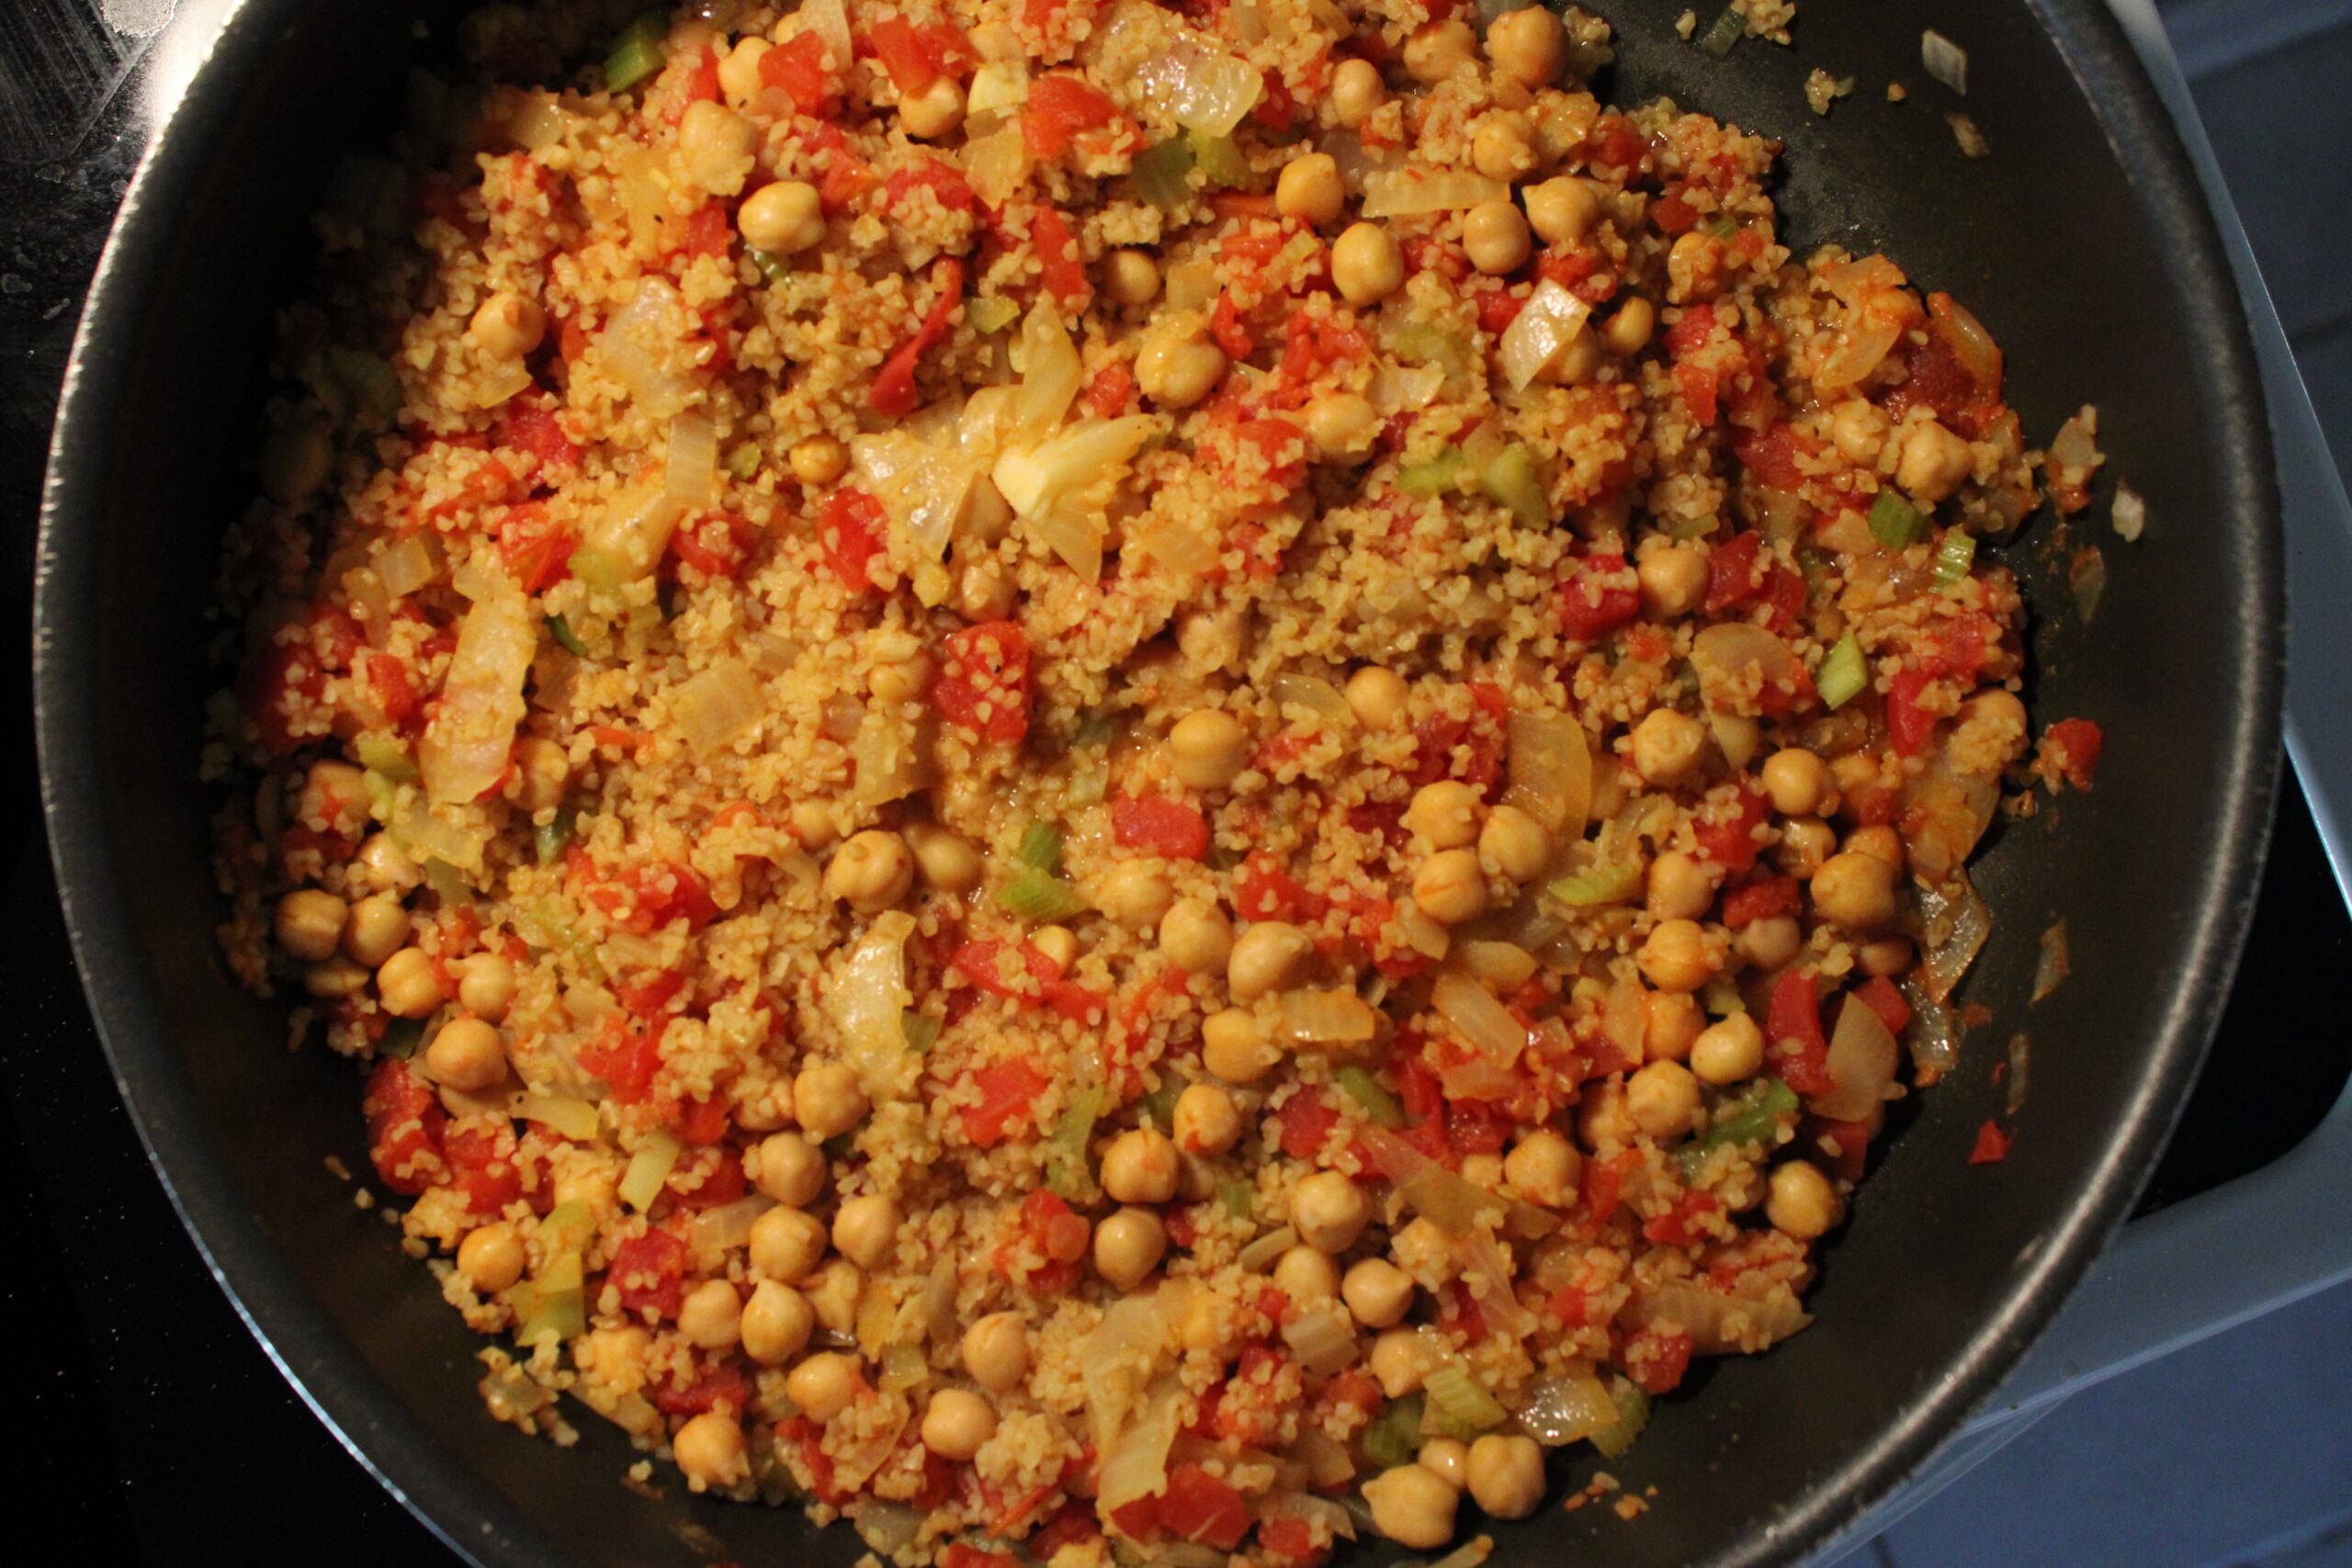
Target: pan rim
[[360, 1409]]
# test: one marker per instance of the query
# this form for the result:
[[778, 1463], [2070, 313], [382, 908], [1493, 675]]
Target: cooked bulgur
[[1087, 771]]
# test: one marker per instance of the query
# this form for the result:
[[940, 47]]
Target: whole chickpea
[[1329, 1210], [1131, 277], [507, 326], [1934, 461], [491, 1258], [467, 1054], [1544, 1168], [711, 1318], [936, 111], [1667, 746], [1451, 886], [1801, 1203], [1673, 579], [1562, 209], [817, 461], [1437, 50], [1728, 1052], [1209, 747], [1306, 1275], [828, 1099], [379, 927], [959, 1424], [1412, 1505], [309, 924], [1805, 843], [1366, 264], [1604, 1125], [1662, 1097], [717, 147], [1399, 1361], [787, 1244], [1140, 1166], [1195, 936], [1681, 885], [775, 1323], [1206, 1121], [1377, 1293], [1676, 1020], [1235, 1048], [946, 860], [1507, 1476], [1528, 46], [866, 1231], [1341, 427], [710, 1451], [1502, 148], [486, 985], [1515, 844], [1629, 330], [823, 1384], [1310, 190], [1134, 894], [872, 872], [1128, 1246], [996, 1352], [782, 217], [1357, 92], [1177, 366], [1769, 944], [1680, 955], [1796, 779], [1494, 235], [1445, 813], [1855, 890], [1269, 956], [788, 1168], [1858, 428], [1378, 697]]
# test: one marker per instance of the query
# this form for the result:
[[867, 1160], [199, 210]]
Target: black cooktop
[[160, 1429]]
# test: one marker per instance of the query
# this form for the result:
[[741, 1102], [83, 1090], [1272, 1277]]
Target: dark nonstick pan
[[2082, 242]]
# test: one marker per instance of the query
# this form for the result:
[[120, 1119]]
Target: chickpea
[[1562, 209], [1507, 1474], [1694, 267], [378, 927], [1673, 580], [1412, 1505], [946, 860], [1629, 330], [775, 1323], [1057, 943], [1728, 1052], [507, 326], [1341, 427], [1448, 1458], [1310, 191], [1854, 890], [1529, 47], [1234, 1047], [385, 866], [336, 978], [716, 146], [782, 217], [1451, 886], [985, 592], [1206, 1121], [1662, 1097], [1680, 955], [1269, 956], [1437, 50], [996, 1352], [1667, 746], [739, 71], [819, 460], [871, 872], [1128, 1246], [959, 1424], [709, 1449], [823, 1384], [1494, 235], [1888, 955], [1879, 843], [866, 1231], [1796, 780], [1934, 461], [828, 1101], [901, 680], [542, 770], [309, 924], [1378, 696], [1445, 814], [1544, 1168], [1357, 92], [1578, 362], [1806, 844], [1502, 150], [1398, 1361], [1681, 885], [1209, 748], [1603, 1124], [1769, 944], [1378, 1293], [1195, 936], [491, 1258], [711, 1318], [467, 1054], [936, 111], [834, 1292], [1131, 277], [1676, 1017], [1176, 369], [1140, 1166], [486, 985], [1801, 1203], [1366, 264], [1515, 844], [1329, 1211], [789, 1169], [1857, 428], [1306, 1275]]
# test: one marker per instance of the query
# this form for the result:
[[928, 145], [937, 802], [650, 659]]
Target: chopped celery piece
[[637, 52], [1896, 523], [1394, 1437], [921, 1029], [1844, 673], [1435, 476], [1721, 996], [1955, 554], [1041, 847], [568, 1227], [1221, 158], [1719, 38], [991, 313], [553, 1307], [1159, 1107], [1751, 1117], [1159, 173], [1598, 884], [1239, 1198], [1632, 1415], [1509, 480], [1721, 228], [565, 637], [602, 569], [773, 267], [401, 1037], [389, 758], [1367, 1091], [552, 839], [449, 884], [742, 461], [1038, 896], [1424, 344], [1068, 1175], [1461, 1399]]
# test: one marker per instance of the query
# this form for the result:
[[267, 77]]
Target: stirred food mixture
[[1109, 779]]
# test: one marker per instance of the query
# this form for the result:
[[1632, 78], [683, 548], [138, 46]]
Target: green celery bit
[[991, 313], [1844, 672], [1041, 847], [553, 1307], [1159, 1107], [568, 1227], [401, 1037], [566, 638], [1632, 1415], [1239, 1198], [921, 1029], [449, 884], [1461, 1399], [1719, 39], [773, 267], [601, 570], [1955, 554], [742, 462], [1722, 997], [1366, 1091], [1598, 884], [1510, 478], [637, 52], [1159, 173], [1068, 1176], [1394, 1437], [386, 758], [1896, 523], [550, 839], [1037, 896], [1424, 344], [1221, 158], [1435, 476], [1721, 228], [1753, 1117]]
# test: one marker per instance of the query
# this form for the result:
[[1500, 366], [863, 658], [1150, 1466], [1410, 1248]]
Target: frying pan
[[2081, 241]]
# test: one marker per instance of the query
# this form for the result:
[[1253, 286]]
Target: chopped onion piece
[[1315, 1450], [540, 123], [1395, 388], [1734, 659], [997, 163], [1051, 374], [1402, 193], [1261, 1253], [1201, 88], [1944, 60], [1483, 1021], [924, 486], [1435, 1193], [1957, 925], [648, 1170], [645, 338], [1720, 1323], [1934, 1032], [1323, 1338], [1312, 692], [405, 567], [2054, 963], [1118, 1360], [464, 749], [1500, 1306], [892, 756], [1626, 1018], [575, 1118], [2131, 513], [1540, 334], [867, 999], [1561, 1410], [1053, 485], [716, 707], [1176, 541], [1327, 1018], [1550, 771], [1861, 1063], [1478, 1079], [887, 1528], [694, 461], [727, 1227], [830, 20], [996, 84]]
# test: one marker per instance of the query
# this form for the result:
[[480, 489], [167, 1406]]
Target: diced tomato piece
[[944, 183], [1275, 108], [404, 1125], [1008, 1089], [1680, 1226], [722, 1181], [482, 1166], [1111, 392], [1731, 572], [798, 67], [1843, 1148], [912, 60], [647, 897], [1163, 826], [1672, 214], [722, 1387], [983, 685], [534, 547], [643, 999], [388, 683], [1199, 1507], [649, 1272], [850, 525], [716, 545], [1656, 1358], [1730, 841], [2073, 746], [703, 1122], [1497, 309], [1059, 107], [1476, 1126], [709, 231], [1992, 1144], [1227, 327], [1602, 596], [1264, 891], [1601, 1193], [1797, 1054], [528, 424], [959, 1555], [1765, 900], [1307, 1121], [628, 1059], [893, 392], [1909, 726], [1059, 267], [1418, 1089], [1771, 455], [1880, 996], [1072, 1525]]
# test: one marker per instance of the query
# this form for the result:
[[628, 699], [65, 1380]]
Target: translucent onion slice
[[1401, 193], [575, 1118], [1323, 1338], [868, 998], [1550, 771], [1861, 1063], [1430, 1190], [1051, 374], [1484, 1022], [463, 751], [693, 469], [716, 707], [1720, 1323], [1957, 926], [648, 1170], [406, 566], [1200, 88], [1540, 334], [1563, 1409], [642, 343], [715, 1232]]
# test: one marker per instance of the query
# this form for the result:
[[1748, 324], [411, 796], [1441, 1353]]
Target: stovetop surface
[[154, 1409]]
